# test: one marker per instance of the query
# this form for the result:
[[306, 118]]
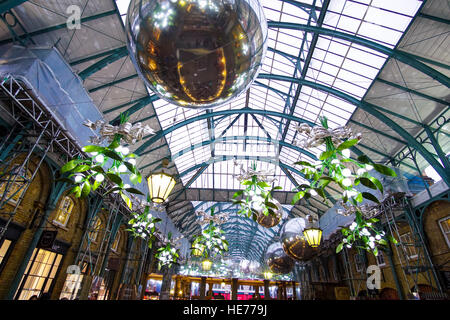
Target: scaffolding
[[35, 131], [395, 213]]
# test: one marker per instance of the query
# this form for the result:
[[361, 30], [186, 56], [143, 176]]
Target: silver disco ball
[[293, 241], [197, 53], [270, 220], [277, 260]]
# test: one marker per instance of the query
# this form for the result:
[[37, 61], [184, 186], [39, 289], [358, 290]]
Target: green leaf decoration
[[130, 167], [134, 190], [363, 159], [247, 183], [326, 154], [76, 190], [98, 169], [96, 185], [263, 184], [368, 183], [377, 183], [298, 196], [82, 168], [271, 205], [359, 197], [347, 144], [113, 155], [384, 170], [92, 148], [69, 166], [127, 200], [304, 163], [238, 193], [113, 145], [86, 189], [339, 247], [320, 192], [134, 178], [114, 178], [369, 196]]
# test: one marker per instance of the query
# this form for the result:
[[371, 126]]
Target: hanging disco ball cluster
[[197, 53]]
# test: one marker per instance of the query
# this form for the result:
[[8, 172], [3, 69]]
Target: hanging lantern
[[313, 235], [206, 265], [160, 185]]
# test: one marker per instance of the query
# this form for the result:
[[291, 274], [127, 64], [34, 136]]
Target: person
[[34, 297]]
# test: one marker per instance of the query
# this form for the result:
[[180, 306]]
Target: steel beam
[[119, 54], [9, 4], [57, 27], [113, 83], [399, 55]]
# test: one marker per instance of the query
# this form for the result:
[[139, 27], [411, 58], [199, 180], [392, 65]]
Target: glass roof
[[337, 63]]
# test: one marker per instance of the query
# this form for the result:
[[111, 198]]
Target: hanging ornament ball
[[271, 220], [277, 260], [197, 53], [293, 241]]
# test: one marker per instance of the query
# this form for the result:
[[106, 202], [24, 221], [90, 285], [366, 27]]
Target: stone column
[[234, 288], [266, 290], [165, 286], [284, 290], [294, 291], [203, 288], [177, 287], [256, 292]]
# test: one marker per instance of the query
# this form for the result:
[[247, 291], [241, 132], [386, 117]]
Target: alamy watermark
[[374, 277], [74, 19]]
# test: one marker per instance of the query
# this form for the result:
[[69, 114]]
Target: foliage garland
[[257, 197], [331, 167]]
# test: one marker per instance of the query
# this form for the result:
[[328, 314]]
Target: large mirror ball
[[197, 53], [293, 241], [277, 260]]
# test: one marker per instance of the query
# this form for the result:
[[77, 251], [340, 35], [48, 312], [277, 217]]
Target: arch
[[399, 55], [368, 107], [234, 138]]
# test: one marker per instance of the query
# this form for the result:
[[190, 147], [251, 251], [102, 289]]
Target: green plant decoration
[[256, 198], [168, 254], [362, 234], [335, 165], [105, 164], [211, 242], [143, 225]]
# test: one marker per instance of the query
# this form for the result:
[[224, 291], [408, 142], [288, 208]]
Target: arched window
[[115, 245], [95, 228], [14, 189], [64, 211]]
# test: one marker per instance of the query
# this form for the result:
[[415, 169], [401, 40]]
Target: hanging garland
[[168, 254], [335, 165], [143, 225], [211, 242], [256, 198], [107, 165]]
